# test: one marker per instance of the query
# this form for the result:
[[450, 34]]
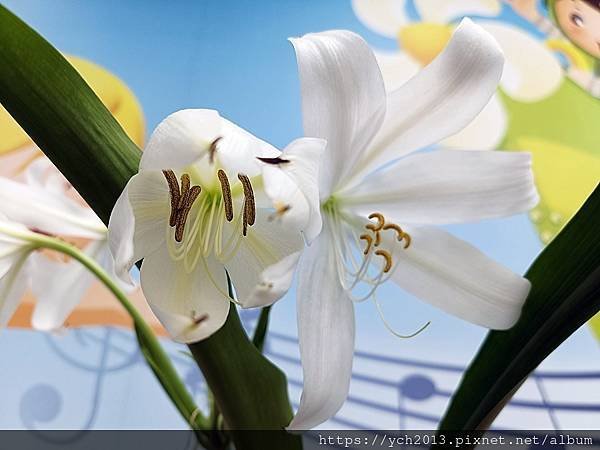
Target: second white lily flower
[[211, 200], [379, 199]]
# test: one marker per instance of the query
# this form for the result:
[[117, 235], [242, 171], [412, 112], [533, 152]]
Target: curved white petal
[[486, 132], [441, 99], [180, 299], [59, 287], [12, 287], [532, 72], [138, 221], [343, 98], [454, 276], [293, 185], [445, 11], [48, 211], [180, 139], [386, 17], [396, 68], [263, 266], [41, 173], [326, 334], [448, 186]]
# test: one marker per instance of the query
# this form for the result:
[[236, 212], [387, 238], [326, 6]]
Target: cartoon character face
[[580, 21]]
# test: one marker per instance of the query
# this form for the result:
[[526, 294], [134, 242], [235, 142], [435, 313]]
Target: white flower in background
[[15, 269], [209, 198], [378, 209], [531, 72], [43, 204]]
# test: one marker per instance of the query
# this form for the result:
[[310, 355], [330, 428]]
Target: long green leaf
[[60, 112], [565, 294]]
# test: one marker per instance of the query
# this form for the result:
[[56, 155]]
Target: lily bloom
[[212, 201], [380, 200], [43, 204]]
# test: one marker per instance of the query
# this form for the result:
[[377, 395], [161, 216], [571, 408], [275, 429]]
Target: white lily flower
[[378, 210], [15, 269], [43, 204], [211, 199]]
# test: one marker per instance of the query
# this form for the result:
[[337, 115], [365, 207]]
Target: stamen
[[185, 187], [280, 210], [187, 201], [377, 238], [245, 218], [401, 235], [388, 259], [380, 222], [226, 191], [391, 330], [213, 149], [174, 193], [275, 161], [199, 319], [249, 203], [369, 239]]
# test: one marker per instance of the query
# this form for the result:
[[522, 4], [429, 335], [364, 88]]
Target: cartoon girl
[[579, 22]]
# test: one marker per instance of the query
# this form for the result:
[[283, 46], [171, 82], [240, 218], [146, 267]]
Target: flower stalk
[[153, 352]]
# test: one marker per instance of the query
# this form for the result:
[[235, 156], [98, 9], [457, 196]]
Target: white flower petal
[[181, 139], [326, 335], [59, 287], [486, 132], [263, 266], [448, 186], [343, 98], [48, 211], [41, 173], [12, 288], [441, 100], [386, 17], [294, 185], [138, 221], [532, 72], [396, 68], [445, 11], [177, 297], [454, 276]]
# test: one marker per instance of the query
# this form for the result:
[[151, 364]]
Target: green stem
[[155, 355], [260, 332]]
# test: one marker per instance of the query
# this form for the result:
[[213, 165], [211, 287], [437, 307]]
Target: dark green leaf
[[565, 294]]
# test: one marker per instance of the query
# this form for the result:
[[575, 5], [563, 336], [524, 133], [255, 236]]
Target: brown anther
[[174, 193], [369, 240], [388, 259], [213, 149], [280, 210], [188, 202], [380, 222], [226, 191], [275, 161], [185, 187], [249, 203], [377, 239], [197, 320], [400, 234]]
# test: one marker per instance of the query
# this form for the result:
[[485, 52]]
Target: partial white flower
[[43, 204], [379, 199], [15, 247], [210, 199]]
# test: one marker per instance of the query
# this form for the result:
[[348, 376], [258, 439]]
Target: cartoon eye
[[577, 20]]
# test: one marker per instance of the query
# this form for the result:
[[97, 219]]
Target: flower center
[[197, 229]]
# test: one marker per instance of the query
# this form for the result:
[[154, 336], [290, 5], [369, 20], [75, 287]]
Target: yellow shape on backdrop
[[117, 97], [424, 41]]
